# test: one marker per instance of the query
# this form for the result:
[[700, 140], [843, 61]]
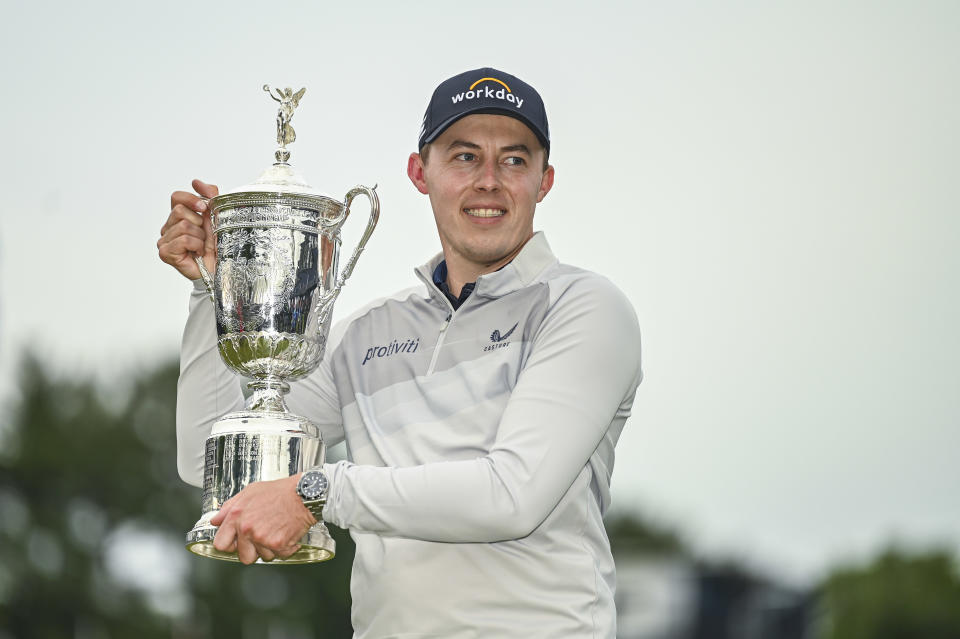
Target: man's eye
[[515, 161], [466, 157]]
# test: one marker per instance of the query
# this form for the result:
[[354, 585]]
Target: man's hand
[[187, 232], [266, 519]]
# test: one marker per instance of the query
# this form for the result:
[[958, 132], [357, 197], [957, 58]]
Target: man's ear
[[415, 172], [546, 183]]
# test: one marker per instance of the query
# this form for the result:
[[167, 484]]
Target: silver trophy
[[277, 278]]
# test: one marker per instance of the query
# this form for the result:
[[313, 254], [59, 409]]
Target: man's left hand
[[266, 519]]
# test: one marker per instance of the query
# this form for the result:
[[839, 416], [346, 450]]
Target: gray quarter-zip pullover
[[481, 445]]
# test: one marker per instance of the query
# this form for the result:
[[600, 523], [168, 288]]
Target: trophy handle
[[203, 269], [206, 276], [325, 304], [371, 224]]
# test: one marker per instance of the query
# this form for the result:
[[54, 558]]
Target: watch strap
[[316, 508]]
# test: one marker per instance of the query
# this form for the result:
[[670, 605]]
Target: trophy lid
[[280, 178]]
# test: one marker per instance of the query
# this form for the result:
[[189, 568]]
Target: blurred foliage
[[92, 522], [630, 533], [93, 516], [898, 596]]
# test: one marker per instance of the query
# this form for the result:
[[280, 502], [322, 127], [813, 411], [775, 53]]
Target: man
[[480, 460]]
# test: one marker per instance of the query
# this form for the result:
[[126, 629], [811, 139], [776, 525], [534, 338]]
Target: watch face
[[313, 484]]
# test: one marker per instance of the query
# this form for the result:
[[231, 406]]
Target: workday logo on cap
[[484, 91], [489, 91]]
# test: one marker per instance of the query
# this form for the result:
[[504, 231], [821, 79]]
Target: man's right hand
[[188, 233]]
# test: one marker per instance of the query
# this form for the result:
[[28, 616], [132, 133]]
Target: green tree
[[898, 596], [92, 520], [631, 533]]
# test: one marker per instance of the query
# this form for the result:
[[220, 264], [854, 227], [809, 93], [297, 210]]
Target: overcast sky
[[773, 185]]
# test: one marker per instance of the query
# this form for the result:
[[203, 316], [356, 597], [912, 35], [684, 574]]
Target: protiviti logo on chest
[[488, 90], [394, 347]]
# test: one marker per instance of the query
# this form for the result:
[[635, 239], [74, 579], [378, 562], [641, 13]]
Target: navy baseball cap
[[484, 90]]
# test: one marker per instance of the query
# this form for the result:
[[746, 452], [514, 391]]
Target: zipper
[[436, 349]]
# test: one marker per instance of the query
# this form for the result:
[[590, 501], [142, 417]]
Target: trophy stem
[[268, 394]]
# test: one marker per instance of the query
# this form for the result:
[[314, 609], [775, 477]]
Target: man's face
[[484, 176]]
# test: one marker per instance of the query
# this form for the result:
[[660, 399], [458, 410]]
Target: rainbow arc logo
[[488, 91], [474, 85]]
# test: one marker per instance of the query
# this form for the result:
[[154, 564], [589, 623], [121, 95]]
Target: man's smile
[[484, 212]]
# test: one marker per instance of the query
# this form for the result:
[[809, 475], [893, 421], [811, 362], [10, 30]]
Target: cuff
[[334, 472]]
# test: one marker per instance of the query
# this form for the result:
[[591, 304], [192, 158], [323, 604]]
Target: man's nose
[[488, 176]]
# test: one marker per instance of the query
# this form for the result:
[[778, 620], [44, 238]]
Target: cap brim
[[446, 124]]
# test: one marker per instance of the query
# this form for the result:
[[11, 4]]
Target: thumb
[[204, 189]]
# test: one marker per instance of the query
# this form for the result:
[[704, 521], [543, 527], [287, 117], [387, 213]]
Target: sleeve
[[207, 390], [581, 377]]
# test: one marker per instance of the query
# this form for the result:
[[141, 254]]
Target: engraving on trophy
[[209, 461], [276, 280]]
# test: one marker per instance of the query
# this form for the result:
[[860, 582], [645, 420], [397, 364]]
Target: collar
[[440, 281], [535, 257]]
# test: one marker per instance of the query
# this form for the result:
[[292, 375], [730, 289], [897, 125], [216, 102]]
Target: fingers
[[187, 232], [246, 550], [174, 250], [226, 539], [230, 538], [185, 216], [182, 229], [265, 553], [266, 519], [237, 534], [225, 509], [179, 254], [288, 551]]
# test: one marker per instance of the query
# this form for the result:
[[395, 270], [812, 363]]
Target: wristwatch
[[312, 489]]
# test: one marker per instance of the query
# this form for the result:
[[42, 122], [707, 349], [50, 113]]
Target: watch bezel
[[306, 483]]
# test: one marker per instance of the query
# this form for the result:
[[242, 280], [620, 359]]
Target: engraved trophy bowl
[[276, 280]]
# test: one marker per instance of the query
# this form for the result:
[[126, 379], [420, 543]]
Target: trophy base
[[252, 446], [315, 546]]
